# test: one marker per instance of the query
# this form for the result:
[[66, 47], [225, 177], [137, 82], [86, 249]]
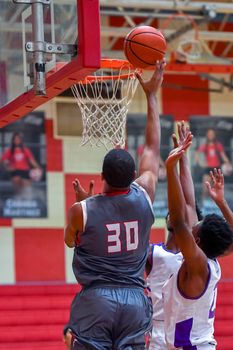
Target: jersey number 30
[[115, 234]]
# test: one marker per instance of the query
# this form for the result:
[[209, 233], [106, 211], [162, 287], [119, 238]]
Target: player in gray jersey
[[190, 294], [112, 311]]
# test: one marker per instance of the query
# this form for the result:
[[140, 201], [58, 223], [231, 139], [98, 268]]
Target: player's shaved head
[[118, 168]]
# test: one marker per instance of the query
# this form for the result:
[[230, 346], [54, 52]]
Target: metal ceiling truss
[[203, 13]]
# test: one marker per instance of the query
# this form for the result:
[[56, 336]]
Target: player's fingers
[[179, 131], [211, 174], [160, 65], [138, 76], [208, 187], [212, 177], [184, 128], [188, 138], [163, 63], [174, 139], [221, 177], [187, 145], [91, 188], [76, 184]]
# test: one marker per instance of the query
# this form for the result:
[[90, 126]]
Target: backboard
[[69, 24]]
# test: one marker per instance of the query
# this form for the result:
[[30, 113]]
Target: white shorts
[[157, 341]]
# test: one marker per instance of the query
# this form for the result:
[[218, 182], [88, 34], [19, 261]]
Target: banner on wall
[[212, 148], [23, 168], [135, 143]]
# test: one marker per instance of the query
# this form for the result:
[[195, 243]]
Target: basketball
[[143, 46]]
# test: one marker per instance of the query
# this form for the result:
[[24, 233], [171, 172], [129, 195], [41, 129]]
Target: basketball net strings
[[104, 105]]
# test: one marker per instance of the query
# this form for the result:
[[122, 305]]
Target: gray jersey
[[114, 245]]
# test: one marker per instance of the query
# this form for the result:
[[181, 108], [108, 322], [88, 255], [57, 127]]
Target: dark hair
[[13, 142], [118, 168], [215, 235], [199, 212]]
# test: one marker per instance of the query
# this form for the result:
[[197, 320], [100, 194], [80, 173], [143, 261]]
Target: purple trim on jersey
[[202, 293], [182, 335], [167, 250], [151, 262], [152, 255], [212, 311]]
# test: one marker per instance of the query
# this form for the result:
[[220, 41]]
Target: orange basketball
[[143, 46]]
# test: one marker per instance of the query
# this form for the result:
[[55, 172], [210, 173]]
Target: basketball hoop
[[104, 100], [188, 48]]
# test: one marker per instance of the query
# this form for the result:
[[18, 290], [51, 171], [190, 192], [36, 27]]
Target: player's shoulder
[[214, 266], [140, 190], [160, 250]]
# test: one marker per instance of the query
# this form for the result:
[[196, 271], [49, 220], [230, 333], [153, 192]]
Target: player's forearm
[[176, 202], [151, 153], [70, 237], [226, 211], [187, 181], [153, 133]]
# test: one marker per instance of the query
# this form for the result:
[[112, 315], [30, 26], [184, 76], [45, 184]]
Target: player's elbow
[[69, 239], [70, 244]]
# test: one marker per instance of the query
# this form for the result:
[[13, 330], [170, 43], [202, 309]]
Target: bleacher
[[33, 317]]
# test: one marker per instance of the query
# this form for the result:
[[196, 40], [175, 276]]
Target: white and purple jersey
[[114, 244], [164, 264], [189, 322]]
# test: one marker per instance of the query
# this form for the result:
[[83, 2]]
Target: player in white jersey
[[164, 263], [190, 294], [165, 258]]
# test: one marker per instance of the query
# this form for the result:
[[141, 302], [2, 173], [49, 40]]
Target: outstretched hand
[[80, 193], [155, 82], [183, 131], [179, 149], [216, 187]]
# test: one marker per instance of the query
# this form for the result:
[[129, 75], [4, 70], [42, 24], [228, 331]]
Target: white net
[[189, 50], [104, 102]]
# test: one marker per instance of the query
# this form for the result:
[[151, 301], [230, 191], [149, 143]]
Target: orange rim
[[109, 63]]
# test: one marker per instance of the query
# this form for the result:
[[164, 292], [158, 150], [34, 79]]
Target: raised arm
[[149, 162], [75, 214], [195, 259], [216, 192], [186, 178]]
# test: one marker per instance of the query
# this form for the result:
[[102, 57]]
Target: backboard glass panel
[[65, 22]]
